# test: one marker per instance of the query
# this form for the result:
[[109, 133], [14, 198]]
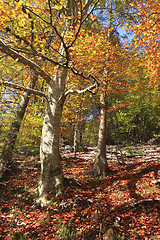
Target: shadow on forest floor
[[127, 201]]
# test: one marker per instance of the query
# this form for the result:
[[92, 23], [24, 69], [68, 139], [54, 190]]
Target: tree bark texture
[[101, 166], [75, 141], [51, 177], [7, 151], [51, 180]]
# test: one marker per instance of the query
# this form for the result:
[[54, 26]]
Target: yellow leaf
[[56, 7]]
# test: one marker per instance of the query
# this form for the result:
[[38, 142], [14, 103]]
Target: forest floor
[[127, 200]]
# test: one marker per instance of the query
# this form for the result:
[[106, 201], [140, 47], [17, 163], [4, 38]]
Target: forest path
[[145, 151]]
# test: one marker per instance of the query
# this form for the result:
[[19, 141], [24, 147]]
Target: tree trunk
[[51, 182], [7, 151], [75, 143], [100, 166], [51, 177]]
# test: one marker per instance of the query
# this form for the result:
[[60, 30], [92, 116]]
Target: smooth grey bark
[[51, 182], [24, 60], [75, 140], [100, 167], [118, 148], [8, 148]]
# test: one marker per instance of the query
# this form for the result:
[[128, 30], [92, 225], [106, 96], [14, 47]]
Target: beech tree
[[40, 35], [7, 151], [117, 11], [100, 166]]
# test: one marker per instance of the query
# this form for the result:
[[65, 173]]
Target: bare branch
[[155, 23], [34, 51], [92, 9], [76, 72], [87, 89], [50, 24], [83, 20], [50, 11], [22, 59], [22, 88], [87, 5], [79, 28]]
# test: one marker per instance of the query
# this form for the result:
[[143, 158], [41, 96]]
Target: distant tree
[[7, 151]]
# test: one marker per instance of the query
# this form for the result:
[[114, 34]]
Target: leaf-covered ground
[[127, 200]]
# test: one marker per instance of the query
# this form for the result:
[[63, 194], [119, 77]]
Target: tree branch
[[87, 89], [22, 88], [50, 10], [3, 56], [22, 59], [79, 28], [76, 72], [92, 9], [50, 24]]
